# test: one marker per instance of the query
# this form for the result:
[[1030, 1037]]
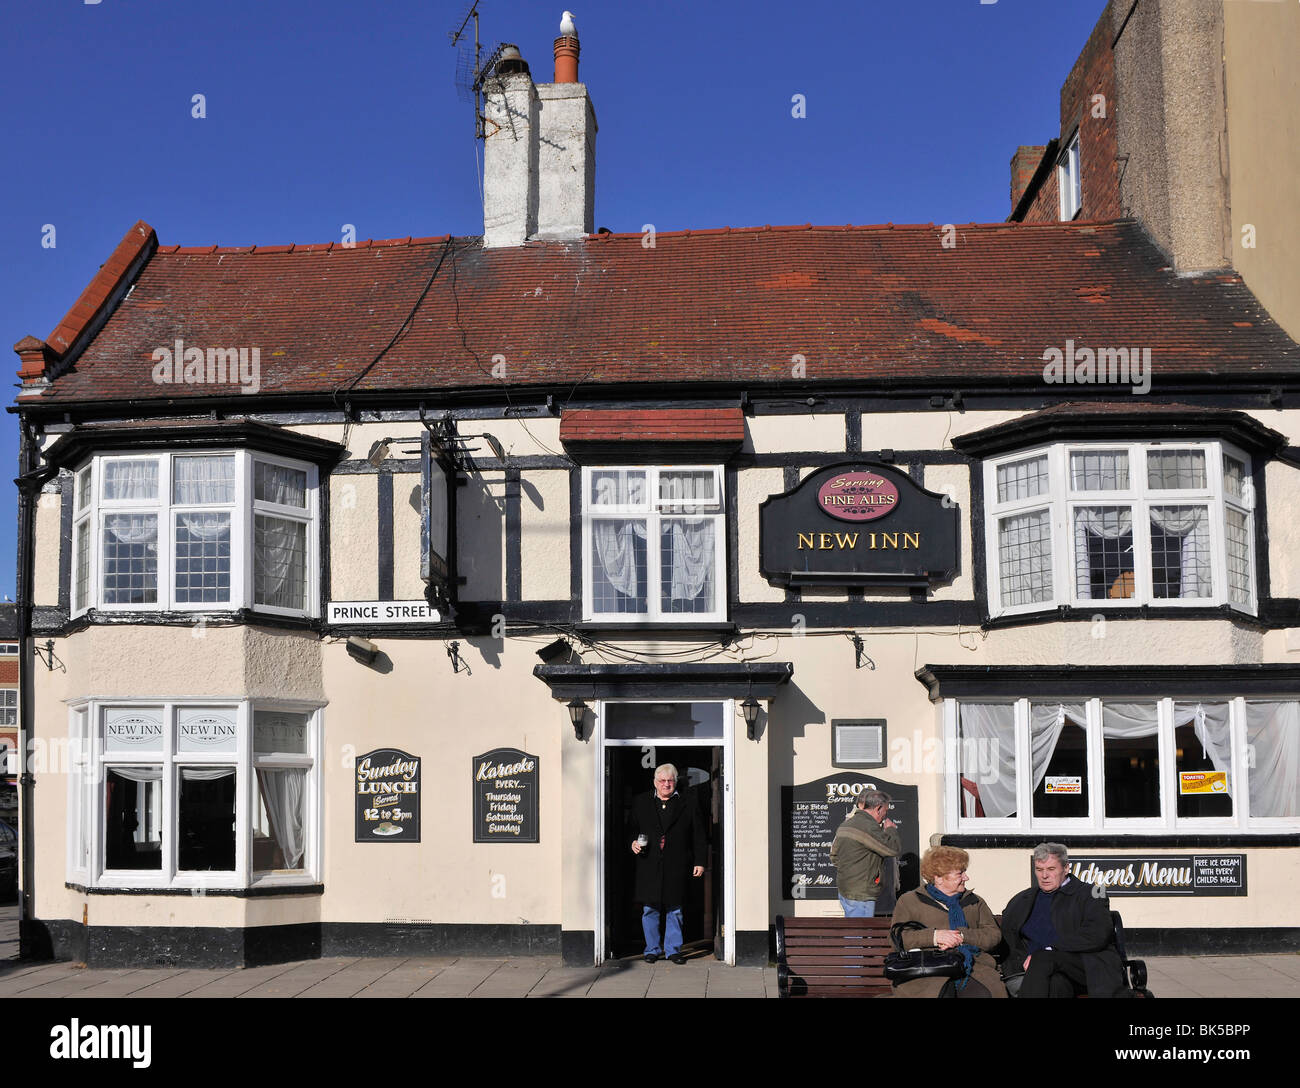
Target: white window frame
[[1061, 502], [88, 517], [8, 705], [1069, 179], [654, 511], [1168, 822], [87, 768]]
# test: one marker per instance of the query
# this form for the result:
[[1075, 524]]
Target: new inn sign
[[858, 524]]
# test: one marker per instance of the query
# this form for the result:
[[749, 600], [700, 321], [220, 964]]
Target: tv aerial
[[473, 70]]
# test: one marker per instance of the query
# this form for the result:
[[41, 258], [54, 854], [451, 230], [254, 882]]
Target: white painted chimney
[[539, 155]]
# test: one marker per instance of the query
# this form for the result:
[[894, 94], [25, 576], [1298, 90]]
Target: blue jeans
[[858, 908], [672, 935]]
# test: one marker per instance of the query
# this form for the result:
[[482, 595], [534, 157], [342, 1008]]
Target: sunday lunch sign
[[388, 796]]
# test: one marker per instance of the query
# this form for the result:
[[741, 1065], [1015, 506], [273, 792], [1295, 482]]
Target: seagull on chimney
[[567, 29]]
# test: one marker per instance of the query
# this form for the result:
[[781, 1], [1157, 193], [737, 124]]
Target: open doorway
[[629, 770]]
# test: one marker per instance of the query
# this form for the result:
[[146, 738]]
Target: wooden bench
[[845, 957], [832, 957]]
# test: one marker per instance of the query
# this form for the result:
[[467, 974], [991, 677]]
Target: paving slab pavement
[[1268, 976]]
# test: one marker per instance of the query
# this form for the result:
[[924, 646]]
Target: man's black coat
[[1083, 925], [661, 875]]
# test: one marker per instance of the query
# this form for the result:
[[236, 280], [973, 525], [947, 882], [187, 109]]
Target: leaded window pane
[[1103, 552], [1238, 551], [1099, 470], [279, 562], [1025, 558], [1023, 479], [130, 559], [279, 484], [1180, 552], [203, 558], [1175, 469]]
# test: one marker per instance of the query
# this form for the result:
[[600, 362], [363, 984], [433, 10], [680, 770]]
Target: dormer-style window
[[1105, 525], [1069, 181], [653, 543], [202, 531]]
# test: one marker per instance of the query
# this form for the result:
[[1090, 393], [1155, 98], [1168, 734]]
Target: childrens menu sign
[[858, 524], [505, 796], [388, 796], [1164, 874], [811, 812]]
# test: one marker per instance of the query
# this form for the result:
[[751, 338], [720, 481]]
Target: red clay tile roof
[[887, 305], [653, 425]]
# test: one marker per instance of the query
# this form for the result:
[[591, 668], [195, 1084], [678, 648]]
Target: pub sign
[[387, 796], [858, 524]]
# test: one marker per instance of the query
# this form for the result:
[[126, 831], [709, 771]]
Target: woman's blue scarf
[[956, 920]]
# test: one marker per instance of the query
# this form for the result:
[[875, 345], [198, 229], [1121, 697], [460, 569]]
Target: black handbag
[[903, 966]]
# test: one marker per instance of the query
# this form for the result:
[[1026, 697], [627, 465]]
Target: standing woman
[[952, 917]]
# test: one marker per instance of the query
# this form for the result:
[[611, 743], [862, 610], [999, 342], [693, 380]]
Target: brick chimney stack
[[1024, 164], [539, 158]]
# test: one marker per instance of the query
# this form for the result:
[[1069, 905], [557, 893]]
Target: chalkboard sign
[[388, 796], [811, 812], [505, 796]]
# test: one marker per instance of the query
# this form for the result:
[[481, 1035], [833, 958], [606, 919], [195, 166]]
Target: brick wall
[[1093, 74]]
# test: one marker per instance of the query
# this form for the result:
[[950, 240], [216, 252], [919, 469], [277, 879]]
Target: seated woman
[[952, 917]]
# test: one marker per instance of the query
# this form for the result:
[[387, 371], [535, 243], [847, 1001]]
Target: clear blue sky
[[326, 112]]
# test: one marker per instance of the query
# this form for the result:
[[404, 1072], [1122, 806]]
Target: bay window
[[1102, 525], [653, 543], [192, 794], [194, 531], [1123, 764]]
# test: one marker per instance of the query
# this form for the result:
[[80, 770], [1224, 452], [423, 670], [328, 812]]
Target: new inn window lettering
[[1098, 526], [175, 795], [194, 531], [653, 541], [1166, 763]]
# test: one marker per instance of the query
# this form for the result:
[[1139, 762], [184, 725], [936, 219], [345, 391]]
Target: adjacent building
[[376, 579]]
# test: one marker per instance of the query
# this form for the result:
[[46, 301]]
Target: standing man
[[668, 840], [862, 842], [1060, 931]]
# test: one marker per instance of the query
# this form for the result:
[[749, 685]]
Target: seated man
[[1061, 932]]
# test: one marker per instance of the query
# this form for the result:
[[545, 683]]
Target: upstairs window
[[194, 531], [653, 543], [1069, 181], [1113, 524]]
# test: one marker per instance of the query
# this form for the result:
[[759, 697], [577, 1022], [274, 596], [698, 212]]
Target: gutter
[[30, 481]]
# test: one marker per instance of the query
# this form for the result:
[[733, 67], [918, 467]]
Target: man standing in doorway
[[668, 841], [862, 842]]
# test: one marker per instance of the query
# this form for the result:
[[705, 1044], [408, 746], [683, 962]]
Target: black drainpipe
[[33, 940]]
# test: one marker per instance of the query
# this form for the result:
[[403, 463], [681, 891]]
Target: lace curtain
[[279, 561], [1192, 524], [687, 543], [131, 480], [988, 755], [282, 797], [1110, 522], [1273, 740], [203, 480]]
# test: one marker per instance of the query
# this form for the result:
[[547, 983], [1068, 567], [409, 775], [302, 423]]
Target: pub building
[[363, 586]]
